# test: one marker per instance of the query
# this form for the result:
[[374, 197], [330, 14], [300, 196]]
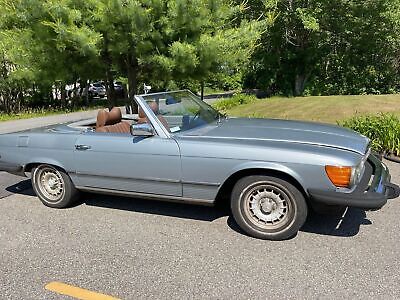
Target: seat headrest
[[154, 107], [114, 116], [105, 118]]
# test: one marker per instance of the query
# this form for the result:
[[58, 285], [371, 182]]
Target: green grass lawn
[[329, 109]]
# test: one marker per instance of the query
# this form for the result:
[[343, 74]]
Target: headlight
[[357, 173], [359, 170]]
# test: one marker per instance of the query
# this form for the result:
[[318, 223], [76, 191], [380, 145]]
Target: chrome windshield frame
[[156, 123]]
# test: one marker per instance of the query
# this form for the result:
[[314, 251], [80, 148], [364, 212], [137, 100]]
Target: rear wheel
[[53, 186], [268, 207]]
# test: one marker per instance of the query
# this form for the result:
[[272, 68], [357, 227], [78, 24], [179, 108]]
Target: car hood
[[286, 131]]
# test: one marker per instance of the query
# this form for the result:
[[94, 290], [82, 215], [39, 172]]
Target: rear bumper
[[372, 192], [12, 169]]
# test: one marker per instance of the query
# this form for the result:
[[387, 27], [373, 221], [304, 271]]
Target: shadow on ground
[[345, 225], [23, 187], [154, 207]]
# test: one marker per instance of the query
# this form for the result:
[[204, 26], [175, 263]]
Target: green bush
[[236, 100], [383, 130]]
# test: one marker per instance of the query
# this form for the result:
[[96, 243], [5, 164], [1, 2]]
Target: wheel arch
[[43, 161], [282, 172]]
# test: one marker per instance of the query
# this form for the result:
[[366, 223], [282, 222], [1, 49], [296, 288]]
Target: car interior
[[112, 122], [177, 112], [155, 108]]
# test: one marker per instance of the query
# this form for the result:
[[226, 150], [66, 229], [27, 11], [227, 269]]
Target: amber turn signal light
[[340, 176]]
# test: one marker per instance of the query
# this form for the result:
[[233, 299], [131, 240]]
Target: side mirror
[[142, 130]]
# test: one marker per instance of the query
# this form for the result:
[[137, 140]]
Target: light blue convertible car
[[178, 148]]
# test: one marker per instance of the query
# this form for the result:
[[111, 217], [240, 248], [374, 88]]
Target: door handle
[[82, 147]]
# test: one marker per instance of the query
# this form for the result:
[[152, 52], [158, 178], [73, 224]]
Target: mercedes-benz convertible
[[178, 148]]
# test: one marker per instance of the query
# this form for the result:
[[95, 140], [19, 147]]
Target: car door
[[122, 162]]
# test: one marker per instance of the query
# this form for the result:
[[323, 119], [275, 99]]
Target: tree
[[162, 41], [152, 40], [327, 47], [54, 46]]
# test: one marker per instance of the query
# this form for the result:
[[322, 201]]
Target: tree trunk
[[85, 91], [132, 68], [74, 98], [110, 89], [63, 95], [202, 90], [20, 100], [109, 75], [7, 103], [299, 84]]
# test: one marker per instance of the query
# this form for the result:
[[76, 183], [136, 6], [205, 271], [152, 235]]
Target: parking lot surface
[[132, 248]]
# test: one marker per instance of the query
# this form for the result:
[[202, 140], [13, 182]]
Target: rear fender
[[41, 160]]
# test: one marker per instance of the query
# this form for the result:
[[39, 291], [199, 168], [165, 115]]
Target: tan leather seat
[[105, 118], [154, 107], [121, 127], [111, 122]]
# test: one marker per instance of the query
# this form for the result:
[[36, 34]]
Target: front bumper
[[372, 192]]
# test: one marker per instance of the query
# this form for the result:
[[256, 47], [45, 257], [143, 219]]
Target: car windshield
[[182, 110]]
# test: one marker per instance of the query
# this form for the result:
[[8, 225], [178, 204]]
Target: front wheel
[[53, 187], [268, 207]]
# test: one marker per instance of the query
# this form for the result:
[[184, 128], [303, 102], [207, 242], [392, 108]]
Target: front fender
[[268, 166]]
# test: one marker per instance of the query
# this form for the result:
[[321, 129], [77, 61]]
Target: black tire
[[259, 201], [53, 186]]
